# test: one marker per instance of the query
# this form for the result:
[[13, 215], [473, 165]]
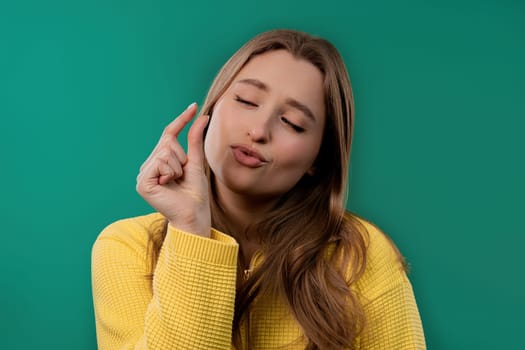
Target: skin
[[275, 107], [174, 183]]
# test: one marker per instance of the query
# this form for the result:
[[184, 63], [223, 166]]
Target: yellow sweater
[[189, 303]]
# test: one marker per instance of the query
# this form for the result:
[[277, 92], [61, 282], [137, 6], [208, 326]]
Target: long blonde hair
[[311, 217]]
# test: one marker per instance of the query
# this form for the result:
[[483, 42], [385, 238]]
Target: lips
[[248, 156]]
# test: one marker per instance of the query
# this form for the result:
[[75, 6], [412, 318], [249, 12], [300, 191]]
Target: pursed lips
[[248, 155]]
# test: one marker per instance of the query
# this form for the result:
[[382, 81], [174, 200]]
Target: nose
[[259, 129]]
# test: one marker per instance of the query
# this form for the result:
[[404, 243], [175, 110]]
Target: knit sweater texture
[[189, 301]]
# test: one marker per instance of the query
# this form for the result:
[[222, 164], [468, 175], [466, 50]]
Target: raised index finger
[[180, 122]]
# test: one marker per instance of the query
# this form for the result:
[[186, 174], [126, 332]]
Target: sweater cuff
[[219, 249]]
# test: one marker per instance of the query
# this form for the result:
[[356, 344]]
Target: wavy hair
[[314, 250]]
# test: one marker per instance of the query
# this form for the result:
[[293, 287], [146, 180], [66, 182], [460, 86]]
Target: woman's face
[[266, 129]]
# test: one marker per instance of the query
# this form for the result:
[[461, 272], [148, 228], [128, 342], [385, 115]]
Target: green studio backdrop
[[86, 88]]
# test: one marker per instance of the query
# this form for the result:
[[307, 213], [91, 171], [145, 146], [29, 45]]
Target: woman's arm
[[188, 305]]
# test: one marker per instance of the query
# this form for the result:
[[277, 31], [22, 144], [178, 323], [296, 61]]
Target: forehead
[[286, 77]]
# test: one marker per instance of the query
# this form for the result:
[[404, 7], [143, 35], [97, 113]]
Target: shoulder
[[132, 234], [384, 265], [381, 249]]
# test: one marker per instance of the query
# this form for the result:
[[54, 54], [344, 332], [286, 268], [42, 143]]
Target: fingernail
[[191, 105]]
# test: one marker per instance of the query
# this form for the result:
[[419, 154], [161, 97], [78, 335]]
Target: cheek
[[297, 153], [217, 135], [211, 140], [224, 123]]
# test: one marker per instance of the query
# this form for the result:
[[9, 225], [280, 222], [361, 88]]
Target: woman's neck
[[242, 211]]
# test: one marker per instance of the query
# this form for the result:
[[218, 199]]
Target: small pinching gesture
[[174, 183]]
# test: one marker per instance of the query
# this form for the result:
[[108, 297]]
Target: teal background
[[86, 88]]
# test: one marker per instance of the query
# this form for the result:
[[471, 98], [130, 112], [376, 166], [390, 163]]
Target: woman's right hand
[[174, 183]]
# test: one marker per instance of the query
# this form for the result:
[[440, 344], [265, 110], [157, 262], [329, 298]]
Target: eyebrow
[[289, 101]]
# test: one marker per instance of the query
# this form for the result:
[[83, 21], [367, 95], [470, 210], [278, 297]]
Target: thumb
[[196, 141]]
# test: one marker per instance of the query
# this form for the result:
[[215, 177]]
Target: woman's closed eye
[[295, 127], [245, 102]]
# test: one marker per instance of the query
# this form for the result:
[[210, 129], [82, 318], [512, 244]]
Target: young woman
[[251, 246]]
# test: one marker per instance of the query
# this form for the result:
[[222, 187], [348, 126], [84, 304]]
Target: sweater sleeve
[[189, 304], [393, 320]]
